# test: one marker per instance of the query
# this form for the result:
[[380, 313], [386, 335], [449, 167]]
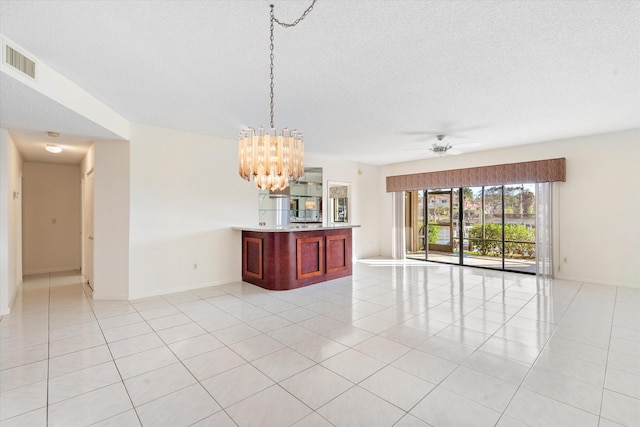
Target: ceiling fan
[[447, 149]]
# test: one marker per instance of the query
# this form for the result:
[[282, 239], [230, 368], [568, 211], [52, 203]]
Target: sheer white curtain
[[544, 227], [398, 245]]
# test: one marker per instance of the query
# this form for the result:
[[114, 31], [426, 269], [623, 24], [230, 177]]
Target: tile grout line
[[48, 348], [606, 365], [113, 360]]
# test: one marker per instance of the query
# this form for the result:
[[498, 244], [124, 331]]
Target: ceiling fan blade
[[468, 144], [419, 132]]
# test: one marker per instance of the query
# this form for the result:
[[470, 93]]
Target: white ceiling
[[29, 115], [369, 81]]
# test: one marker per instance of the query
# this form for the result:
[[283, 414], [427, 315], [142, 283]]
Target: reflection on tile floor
[[404, 344]]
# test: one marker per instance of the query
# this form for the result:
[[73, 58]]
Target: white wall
[[598, 207], [111, 220], [51, 217], [185, 197], [10, 222], [109, 161]]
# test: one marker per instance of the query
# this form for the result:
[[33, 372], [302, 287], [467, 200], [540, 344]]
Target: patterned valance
[[512, 173]]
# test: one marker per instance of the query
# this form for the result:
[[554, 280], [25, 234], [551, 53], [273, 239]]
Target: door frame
[[87, 228], [435, 246]]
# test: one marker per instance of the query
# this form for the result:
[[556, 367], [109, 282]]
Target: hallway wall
[[10, 221]]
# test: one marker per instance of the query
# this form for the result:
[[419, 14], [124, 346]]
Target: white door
[[88, 228]]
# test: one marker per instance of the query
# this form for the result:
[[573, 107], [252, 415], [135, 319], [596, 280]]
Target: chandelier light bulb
[[271, 159]]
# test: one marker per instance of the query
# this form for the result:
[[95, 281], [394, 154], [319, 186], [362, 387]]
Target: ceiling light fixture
[[52, 148], [272, 157]]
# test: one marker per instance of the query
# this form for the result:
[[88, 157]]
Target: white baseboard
[[147, 294], [50, 270], [98, 296], [597, 282], [6, 310]]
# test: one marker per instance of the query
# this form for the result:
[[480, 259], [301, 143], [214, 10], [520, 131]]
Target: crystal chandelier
[[272, 157]]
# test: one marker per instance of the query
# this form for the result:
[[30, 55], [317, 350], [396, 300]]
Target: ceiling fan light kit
[[442, 150]]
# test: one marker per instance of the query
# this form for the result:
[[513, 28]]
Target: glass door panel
[[492, 247], [440, 226], [455, 222], [520, 228], [415, 225], [472, 222], [483, 226]]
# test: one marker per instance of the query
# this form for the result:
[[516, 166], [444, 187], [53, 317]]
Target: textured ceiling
[[369, 81]]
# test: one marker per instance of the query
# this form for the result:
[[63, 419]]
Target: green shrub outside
[[433, 231], [492, 242]]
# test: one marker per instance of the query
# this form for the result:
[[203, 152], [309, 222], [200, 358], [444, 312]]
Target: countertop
[[293, 228]]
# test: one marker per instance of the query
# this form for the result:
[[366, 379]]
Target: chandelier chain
[[271, 70], [286, 25], [297, 21]]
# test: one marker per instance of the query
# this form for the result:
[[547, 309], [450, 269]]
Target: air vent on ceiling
[[20, 62]]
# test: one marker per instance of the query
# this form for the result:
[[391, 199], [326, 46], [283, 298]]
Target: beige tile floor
[[396, 344]]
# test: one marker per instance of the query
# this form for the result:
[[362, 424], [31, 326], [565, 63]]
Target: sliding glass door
[[489, 227]]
